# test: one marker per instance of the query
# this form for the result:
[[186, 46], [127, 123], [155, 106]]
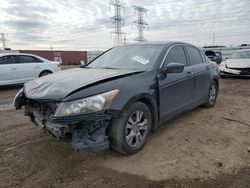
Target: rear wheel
[[128, 134], [44, 73], [212, 95]]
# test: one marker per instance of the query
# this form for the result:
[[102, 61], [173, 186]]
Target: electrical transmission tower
[[140, 23], [117, 20], [3, 41]]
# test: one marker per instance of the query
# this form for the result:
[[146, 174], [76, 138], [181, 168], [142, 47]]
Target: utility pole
[[117, 20], [140, 23], [3, 41], [125, 39], [213, 38]]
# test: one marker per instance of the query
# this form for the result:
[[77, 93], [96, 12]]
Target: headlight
[[87, 105]]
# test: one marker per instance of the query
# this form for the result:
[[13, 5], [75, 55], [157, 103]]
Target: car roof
[[162, 43], [11, 53]]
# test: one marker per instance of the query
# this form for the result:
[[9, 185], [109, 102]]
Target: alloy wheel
[[212, 94], [136, 128]]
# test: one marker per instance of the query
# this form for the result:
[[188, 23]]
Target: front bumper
[[86, 132], [226, 71], [235, 71]]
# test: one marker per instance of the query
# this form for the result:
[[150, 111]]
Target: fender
[[150, 101]]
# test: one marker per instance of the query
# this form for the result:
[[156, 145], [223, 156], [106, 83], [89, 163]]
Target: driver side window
[[176, 55], [8, 59]]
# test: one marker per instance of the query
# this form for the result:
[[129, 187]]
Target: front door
[[176, 90]]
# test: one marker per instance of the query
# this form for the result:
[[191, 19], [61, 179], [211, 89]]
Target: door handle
[[190, 73], [37, 67], [13, 68], [207, 67]]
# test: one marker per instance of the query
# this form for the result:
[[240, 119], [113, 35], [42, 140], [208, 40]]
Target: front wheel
[[128, 134], [212, 95]]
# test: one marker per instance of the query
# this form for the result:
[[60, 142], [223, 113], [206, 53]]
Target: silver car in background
[[18, 68], [237, 64]]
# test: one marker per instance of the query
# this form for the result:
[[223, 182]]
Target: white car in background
[[237, 64], [18, 68]]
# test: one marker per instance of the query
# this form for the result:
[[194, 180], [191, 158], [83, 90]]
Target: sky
[[86, 24]]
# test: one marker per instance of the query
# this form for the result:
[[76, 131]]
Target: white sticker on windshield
[[140, 60]]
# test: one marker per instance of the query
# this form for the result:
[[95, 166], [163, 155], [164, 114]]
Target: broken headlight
[[87, 105]]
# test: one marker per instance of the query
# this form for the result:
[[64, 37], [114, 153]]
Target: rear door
[[8, 70], [200, 68], [29, 67], [176, 89]]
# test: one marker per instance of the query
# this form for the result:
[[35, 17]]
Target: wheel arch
[[216, 79], [150, 101], [45, 70]]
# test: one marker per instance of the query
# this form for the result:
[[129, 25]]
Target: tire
[[128, 134], [212, 95], [44, 73]]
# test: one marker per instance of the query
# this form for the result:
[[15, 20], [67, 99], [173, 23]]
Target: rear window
[[26, 59], [194, 55], [203, 57]]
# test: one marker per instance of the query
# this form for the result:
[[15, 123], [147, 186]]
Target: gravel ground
[[201, 148]]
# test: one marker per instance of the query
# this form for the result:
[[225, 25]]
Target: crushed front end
[[85, 131]]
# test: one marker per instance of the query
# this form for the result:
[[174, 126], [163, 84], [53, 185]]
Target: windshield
[[128, 57], [240, 55]]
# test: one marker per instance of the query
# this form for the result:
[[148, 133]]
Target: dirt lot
[[202, 148]]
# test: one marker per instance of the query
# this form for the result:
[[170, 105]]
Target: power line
[[140, 23], [117, 20]]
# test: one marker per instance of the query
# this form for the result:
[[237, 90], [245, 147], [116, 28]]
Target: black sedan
[[119, 97]]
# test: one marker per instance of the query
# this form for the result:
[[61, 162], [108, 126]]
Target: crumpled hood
[[60, 84], [238, 63]]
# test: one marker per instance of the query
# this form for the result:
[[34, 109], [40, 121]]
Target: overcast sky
[[86, 24]]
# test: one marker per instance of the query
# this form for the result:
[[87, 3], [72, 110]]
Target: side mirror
[[174, 68]]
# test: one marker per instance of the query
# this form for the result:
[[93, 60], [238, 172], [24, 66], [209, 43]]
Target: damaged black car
[[122, 95]]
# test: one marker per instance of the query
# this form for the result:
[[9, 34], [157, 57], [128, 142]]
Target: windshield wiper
[[108, 68]]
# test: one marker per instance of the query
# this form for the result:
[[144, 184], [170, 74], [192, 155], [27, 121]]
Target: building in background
[[64, 57]]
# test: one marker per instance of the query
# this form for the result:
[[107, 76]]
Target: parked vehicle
[[17, 68], [214, 56], [237, 64], [118, 98]]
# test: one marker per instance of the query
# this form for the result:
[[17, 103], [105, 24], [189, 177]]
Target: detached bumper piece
[[86, 139]]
